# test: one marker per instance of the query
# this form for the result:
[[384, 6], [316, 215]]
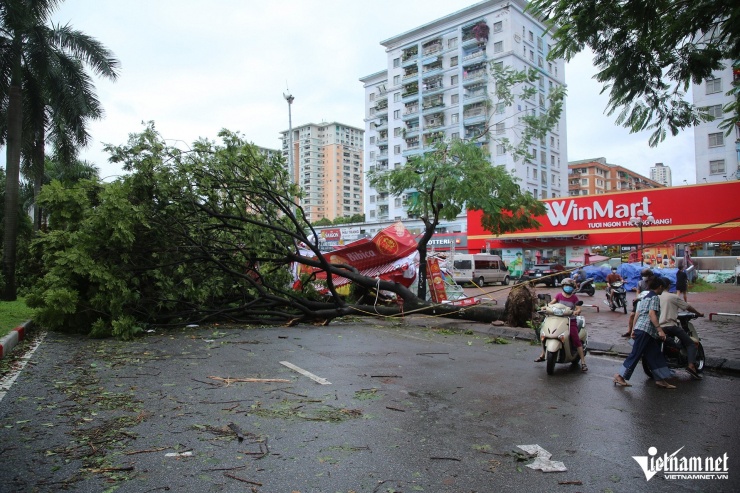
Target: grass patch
[[701, 286], [14, 313]]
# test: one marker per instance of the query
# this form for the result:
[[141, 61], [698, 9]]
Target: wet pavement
[[405, 409]]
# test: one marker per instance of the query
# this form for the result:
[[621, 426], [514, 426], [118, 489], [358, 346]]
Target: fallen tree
[[203, 235]]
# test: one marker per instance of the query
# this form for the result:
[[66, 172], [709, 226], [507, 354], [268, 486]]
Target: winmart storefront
[[705, 218]]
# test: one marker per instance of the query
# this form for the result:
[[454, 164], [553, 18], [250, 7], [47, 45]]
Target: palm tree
[[42, 71]]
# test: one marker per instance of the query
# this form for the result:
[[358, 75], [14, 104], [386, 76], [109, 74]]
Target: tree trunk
[[13, 163], [38, 178]]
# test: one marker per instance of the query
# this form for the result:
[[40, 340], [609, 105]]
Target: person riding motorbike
[[611, 279], [579, 276], [569, 299], [669, 306]]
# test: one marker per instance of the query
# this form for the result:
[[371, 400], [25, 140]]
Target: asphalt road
[[407, 409]]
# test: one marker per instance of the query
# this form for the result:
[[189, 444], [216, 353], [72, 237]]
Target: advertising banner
[[436, 282], [512, 257], [680, 214]]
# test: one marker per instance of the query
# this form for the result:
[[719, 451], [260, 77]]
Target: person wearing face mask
[[569, 299], [643, 285], [611, 279]]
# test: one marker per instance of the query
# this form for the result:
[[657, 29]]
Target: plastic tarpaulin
[[630, 273]]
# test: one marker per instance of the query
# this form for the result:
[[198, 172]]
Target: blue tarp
[[630, 273]]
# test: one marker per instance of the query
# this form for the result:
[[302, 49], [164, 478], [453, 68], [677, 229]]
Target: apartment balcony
[[409, 55], [432, 69], [411, 131], [474, 76], [433, 102], [475, 114], [381, 125], [474, 56], [431, 47], [411, 75], [435, 120], [382, 140]]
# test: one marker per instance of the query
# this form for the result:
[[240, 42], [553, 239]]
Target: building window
[[454, 99], [372, 111], [455, 118], [452, 43], [396, 62], [397, 149], [534, 173], [531, 37], [396, 80], [717, 167], [455, 135], [500, 150], [397, 97], [498, 27], [715, 111], [372, 199], [540, 63], [500, 107], [714, 86], [454, 79], [372, 140], [397, 131], [453, 61], [396, 114], [539, 43], [500, 128], [498, 46], [584, 182], [372, 96], [372, 154], [716, 139]]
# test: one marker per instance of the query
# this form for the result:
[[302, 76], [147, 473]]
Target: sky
[[195, 67]]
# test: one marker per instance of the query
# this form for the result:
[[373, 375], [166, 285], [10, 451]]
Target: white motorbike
[[555, 336]]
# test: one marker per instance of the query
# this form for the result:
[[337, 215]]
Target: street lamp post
[[289, 98], [641, 220]]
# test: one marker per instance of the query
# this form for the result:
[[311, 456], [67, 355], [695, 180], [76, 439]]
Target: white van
[[479, 268]]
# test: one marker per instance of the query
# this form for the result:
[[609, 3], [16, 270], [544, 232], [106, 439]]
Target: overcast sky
[[195, 67]]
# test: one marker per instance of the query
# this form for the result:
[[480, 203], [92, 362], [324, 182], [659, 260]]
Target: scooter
[[619, 296], [555, 336], [674, 352], [587, 287]]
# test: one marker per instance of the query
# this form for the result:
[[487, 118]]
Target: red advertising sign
[[436, 282], [706, 212], [333, 234], [389, 244]]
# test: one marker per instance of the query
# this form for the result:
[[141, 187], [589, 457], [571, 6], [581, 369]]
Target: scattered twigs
[[445, 458], [158, 449], [229, 381], [238, 431], [395, 409], [232, 476]]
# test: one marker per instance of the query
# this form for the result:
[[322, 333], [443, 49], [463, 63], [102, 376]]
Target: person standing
[[645, 277], [647, 333], [682, 282], [670, 304]]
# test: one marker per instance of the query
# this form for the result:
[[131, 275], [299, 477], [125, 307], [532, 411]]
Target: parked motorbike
[[619, 296], [555, 336], [674, 352], [587, 287]]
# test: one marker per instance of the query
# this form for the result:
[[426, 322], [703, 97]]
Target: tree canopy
[[648, 52]]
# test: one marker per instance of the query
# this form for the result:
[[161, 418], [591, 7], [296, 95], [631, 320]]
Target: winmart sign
[[599, 213], [693, 213]]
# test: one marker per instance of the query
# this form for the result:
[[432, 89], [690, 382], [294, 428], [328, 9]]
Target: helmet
[[646, 272], [568, 282]]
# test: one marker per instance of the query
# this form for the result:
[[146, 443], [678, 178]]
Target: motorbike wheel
[[551, 362], [646, 368], [700, 357], [624, 305], [590, 290]]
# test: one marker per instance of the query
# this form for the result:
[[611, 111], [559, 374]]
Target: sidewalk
[[720, 337]]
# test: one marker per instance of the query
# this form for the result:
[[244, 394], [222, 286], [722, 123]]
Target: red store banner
[[694, 213]]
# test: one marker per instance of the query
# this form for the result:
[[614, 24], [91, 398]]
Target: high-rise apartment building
[[716, 154], [437, 86], [661, 174], [596, 176], [327, 165]]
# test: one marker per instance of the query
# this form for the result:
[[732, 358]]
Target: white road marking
[[7, 382], [310, 375]]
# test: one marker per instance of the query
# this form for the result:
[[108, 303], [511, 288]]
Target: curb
[[9, 341]]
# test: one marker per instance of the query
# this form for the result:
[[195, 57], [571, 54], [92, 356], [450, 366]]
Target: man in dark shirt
[[611, 279]]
